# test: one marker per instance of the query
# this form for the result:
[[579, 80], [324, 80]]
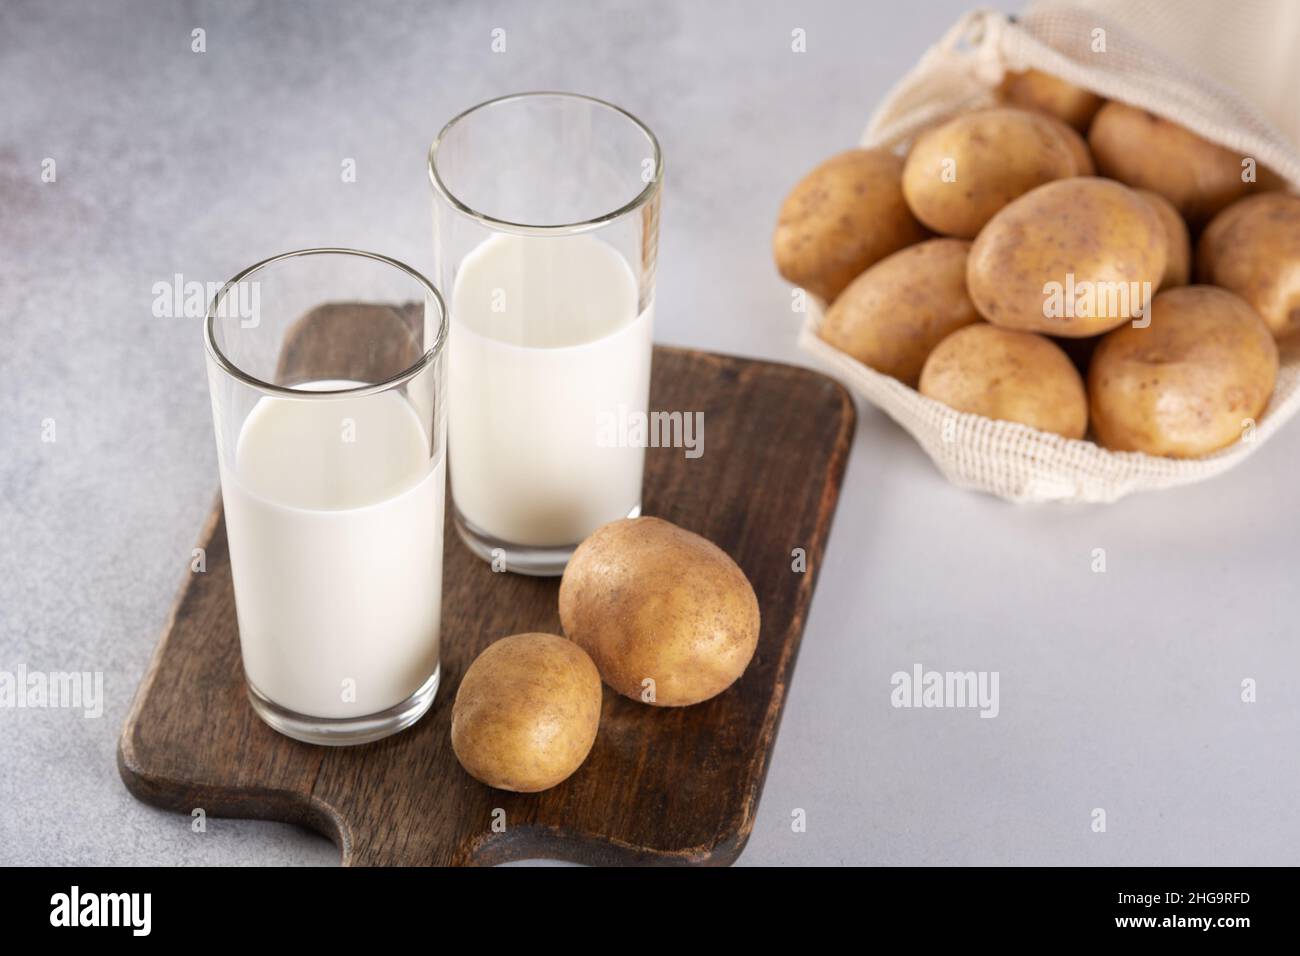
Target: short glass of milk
[[546, 224], [326, 373]]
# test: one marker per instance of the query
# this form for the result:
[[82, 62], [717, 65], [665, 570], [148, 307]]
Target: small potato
[[526, 713], [1178, 248], [1078, 146], [1035, 90], [1073, 258], [892, 315], [845, 215], [1187, 384], [1012, 376], [1253, 249], [667, 616], [1148, 152], [961, 172]]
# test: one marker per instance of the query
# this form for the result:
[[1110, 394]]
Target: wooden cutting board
[[660, 786]]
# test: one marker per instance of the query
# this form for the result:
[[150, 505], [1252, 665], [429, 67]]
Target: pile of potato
[[1007, 259]]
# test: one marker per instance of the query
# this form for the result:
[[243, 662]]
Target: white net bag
[[1182, 74]]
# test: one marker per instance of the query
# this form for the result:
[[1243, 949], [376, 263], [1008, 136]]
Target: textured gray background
[[1119, 690]]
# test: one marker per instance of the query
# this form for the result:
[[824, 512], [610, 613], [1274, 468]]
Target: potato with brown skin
[[892, 315], [1252, 248], [1078, 146], [526, 712], [1036, 90], [667, 616], [1008, 375], [1072, 258], [1149, 152], [1190, 382], [960, 173], [845, 215], [1178, 244]]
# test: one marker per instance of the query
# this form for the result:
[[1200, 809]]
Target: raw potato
[[1093, 236], [892, 315], [1178, 244], [845, 215], [1149, 152], [651, 602], [1253, 249], [1012, 376], [1078, 146], [1043, 92], [961, 172], [526, 712], [1189, 383]]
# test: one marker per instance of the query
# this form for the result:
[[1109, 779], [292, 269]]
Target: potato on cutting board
[[667, 616], [526, 712]]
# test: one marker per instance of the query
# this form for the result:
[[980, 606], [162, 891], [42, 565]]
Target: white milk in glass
[[334, 517], [546, 337]]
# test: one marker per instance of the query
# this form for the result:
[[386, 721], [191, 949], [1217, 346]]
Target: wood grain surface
[[660, 786]]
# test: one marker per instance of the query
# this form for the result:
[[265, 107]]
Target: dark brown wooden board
[[662, 785]]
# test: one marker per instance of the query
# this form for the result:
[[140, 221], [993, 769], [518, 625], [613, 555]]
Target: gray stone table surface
[[1119, 691]]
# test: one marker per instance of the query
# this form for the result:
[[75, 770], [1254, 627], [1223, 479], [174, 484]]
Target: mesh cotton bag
[[1015, 461]]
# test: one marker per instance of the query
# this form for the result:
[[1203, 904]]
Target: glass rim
[[400, 378], [531, 229]]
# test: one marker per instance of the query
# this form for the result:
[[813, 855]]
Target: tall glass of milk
[[546, 223], [326, 372]]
